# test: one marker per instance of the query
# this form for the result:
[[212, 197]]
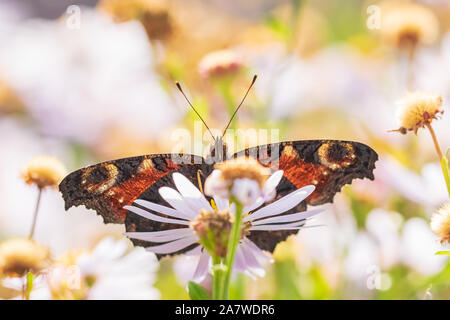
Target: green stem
[[28, 285], [217, 278], [442, 157], [444, 167], [233, 242]]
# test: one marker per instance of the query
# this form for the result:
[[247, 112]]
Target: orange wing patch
[[107, 187], [333, 158], [302, 173], [126, 192]]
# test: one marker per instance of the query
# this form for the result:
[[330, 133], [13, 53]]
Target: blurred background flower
[[96, 81]]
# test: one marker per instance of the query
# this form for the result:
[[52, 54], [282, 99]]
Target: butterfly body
[[109, 186]]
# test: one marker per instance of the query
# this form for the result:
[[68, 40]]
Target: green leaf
[[197, 292], [443, 253]]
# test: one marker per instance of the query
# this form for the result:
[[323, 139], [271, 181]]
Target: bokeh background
[[96, 82]]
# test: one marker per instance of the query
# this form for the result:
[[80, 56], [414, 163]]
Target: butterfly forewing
[[109, 186]]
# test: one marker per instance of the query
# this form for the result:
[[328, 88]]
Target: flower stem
[[217, 278], [442, 158], [36, 211], [444, 167], [233, 242], [29, 285], [435, 141]]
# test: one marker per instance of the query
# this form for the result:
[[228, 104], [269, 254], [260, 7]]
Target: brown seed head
[[20, 256], [243, 167], [213, 229], [418, 109], [43, 171], [440, 222]]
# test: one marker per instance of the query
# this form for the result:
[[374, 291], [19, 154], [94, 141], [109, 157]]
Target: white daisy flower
[[108, 272], [118, 274], [188, 202]]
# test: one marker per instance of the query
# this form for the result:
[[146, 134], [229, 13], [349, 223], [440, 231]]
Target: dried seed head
[[213, 229], [418, 109], [20, 256], [405, 25], [241, 168], [220, 63], [155, 16], [440, 222], [43, 171]]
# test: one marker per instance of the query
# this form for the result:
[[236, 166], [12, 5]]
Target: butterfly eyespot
[[98, 179], [336, 155]]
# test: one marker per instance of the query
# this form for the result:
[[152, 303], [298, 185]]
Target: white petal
[[173, 246], [110, 249], [202, 268], [154, 217], [287, 226], [155, 237], [271, 184], [256, 250], [281, 205], [288, 217], [246, 191], [221, 203], [239, 262], [161, 209], [194, 252], [251, 261], [189, 191], [254, 205], [233, 208], [174, 198], [215, 185]]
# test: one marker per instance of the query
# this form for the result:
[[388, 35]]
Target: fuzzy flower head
[[154, 15], [418, 109], [213, 229], [43, 171], [220, 63], [406, 25], [20, 256], [440, 223], [243, 178]]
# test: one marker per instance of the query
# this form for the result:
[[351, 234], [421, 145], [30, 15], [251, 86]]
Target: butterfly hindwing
[[108, 186]]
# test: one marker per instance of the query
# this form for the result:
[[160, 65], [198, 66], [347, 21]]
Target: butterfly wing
[[108, 186], [326, 164], [137, 223]]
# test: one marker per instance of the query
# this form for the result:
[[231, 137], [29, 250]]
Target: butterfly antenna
[[240, 104], [198, 114]]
